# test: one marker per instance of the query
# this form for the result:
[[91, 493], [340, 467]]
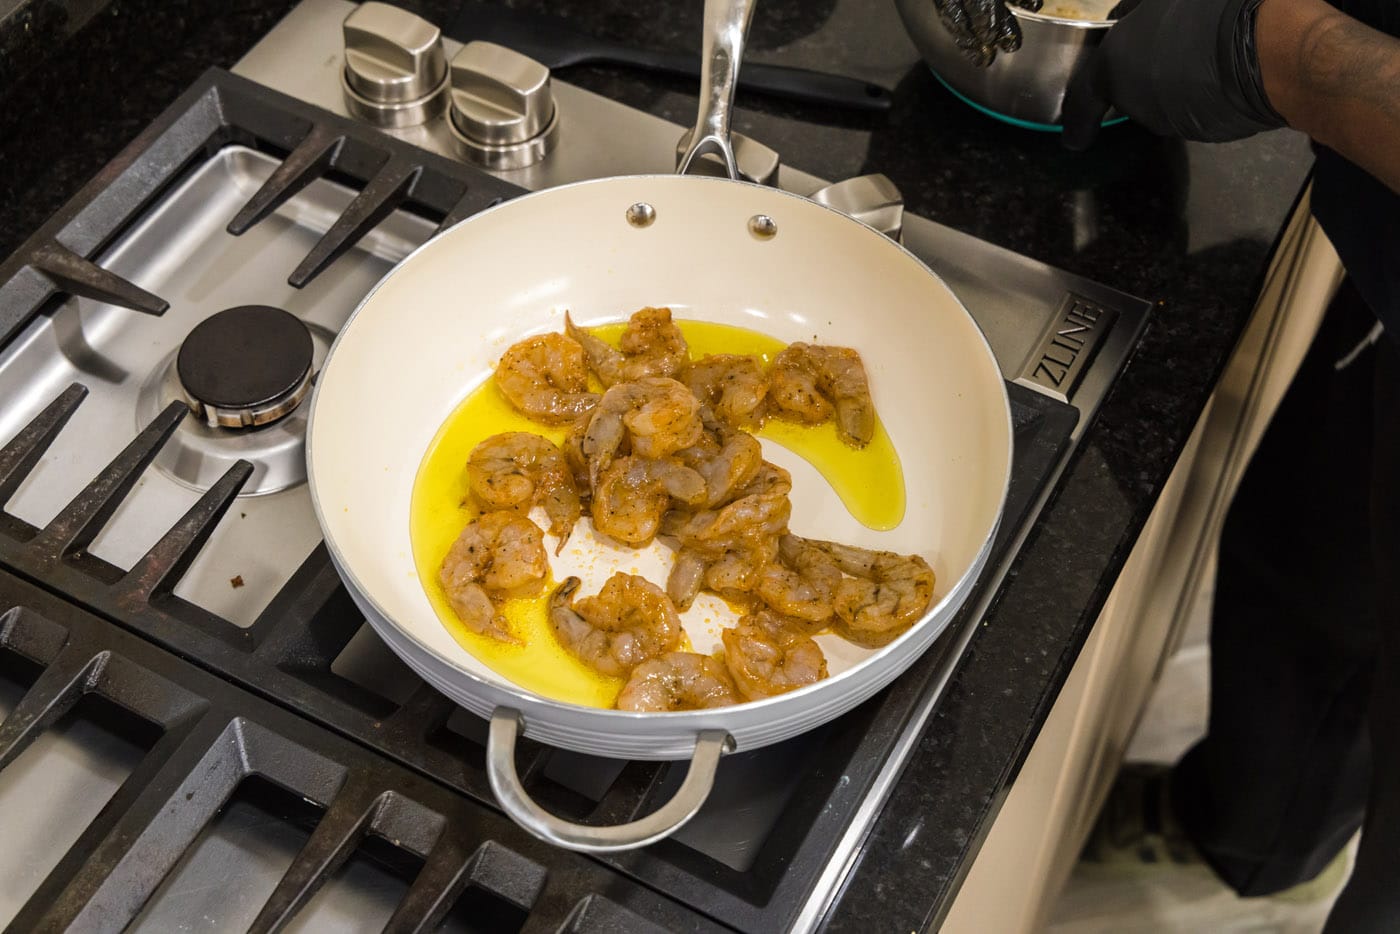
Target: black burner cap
[[247, 365]]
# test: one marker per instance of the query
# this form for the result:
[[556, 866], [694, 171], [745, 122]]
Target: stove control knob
[[395, 69], [871, 199], [502, 111]]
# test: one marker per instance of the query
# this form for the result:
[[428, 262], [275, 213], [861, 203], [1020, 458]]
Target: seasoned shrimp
[[686, 578], [806, 381], [604, 359], [725, 549], [658, 414], [770, 481], [654, 344], [732, 572], [678, 681], [628, 622], [734, 385], [518, 470], [759, 512], [572, 446], [766, 657], [634, 492], [546, 378], [651, 345], [726, 465], [885, 594], [498, 555], [734, 575], [802, 584]]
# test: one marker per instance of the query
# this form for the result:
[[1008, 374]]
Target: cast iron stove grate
[[208, 737], [288, 654]]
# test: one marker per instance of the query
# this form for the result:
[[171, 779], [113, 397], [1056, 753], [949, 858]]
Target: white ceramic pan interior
[[434, 328]]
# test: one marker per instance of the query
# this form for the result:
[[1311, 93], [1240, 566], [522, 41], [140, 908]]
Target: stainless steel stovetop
[[1059, 336], [1016, 300]]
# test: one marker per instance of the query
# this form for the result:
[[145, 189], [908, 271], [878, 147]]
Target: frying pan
[[713, 249]]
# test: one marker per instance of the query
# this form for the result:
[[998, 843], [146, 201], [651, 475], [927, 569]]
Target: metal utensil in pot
[[1025, 88]]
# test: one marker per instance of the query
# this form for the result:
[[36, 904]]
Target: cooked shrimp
[[686, 578], [678, 681], [725, 549], [806, 381], [546, 378], [518, 470], [770, 480], [802, 584], [885, 594], [478, 611], [572, 446], [760, 511], [604, 359], [502, 551], [735, 574], [732, 572], [654, 344], [734, 385], [651, 345], [634, 492], [498, 555], [628, 622], [659, 415], [766, 657], [726, 466]]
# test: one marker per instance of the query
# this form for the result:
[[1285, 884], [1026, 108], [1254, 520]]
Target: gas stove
[[193, 699]]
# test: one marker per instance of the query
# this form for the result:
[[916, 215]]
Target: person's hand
[[981, 28], [1185, 68]]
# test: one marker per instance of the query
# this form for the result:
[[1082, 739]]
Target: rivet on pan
[[641, 214], [763, 227]]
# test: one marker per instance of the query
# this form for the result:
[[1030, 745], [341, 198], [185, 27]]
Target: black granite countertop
[[1189, 227]]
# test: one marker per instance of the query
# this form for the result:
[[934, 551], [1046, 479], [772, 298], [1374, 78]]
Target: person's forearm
[[1335, 79]]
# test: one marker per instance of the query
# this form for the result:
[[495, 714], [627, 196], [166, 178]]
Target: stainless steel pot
[[1025, 87], [712, 249]]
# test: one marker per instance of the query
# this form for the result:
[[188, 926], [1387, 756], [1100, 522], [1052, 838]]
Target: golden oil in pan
[[870, 482], [441, 508]]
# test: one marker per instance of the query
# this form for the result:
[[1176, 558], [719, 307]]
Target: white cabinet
[[1050, 807]]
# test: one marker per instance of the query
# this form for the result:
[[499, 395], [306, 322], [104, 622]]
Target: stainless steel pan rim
[[1035, 17]]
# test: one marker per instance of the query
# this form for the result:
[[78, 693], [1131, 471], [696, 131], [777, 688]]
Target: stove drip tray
[[267, 400]]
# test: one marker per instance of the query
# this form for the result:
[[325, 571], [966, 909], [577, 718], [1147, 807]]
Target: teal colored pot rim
[[1014, 121]]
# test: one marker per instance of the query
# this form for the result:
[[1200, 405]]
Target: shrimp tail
[[855, 422], [687, 576], [500, 631], [564, 594], [564, 509], [563, 618], [601, 441], [604, 360]]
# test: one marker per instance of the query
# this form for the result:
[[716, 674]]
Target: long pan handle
[[665, 820], [726, 26]]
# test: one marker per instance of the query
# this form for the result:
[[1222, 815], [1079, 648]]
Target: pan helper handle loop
[[726, 26], [586, 838]]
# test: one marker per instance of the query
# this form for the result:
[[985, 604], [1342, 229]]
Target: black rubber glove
[[981, 28], [1185, 68]]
